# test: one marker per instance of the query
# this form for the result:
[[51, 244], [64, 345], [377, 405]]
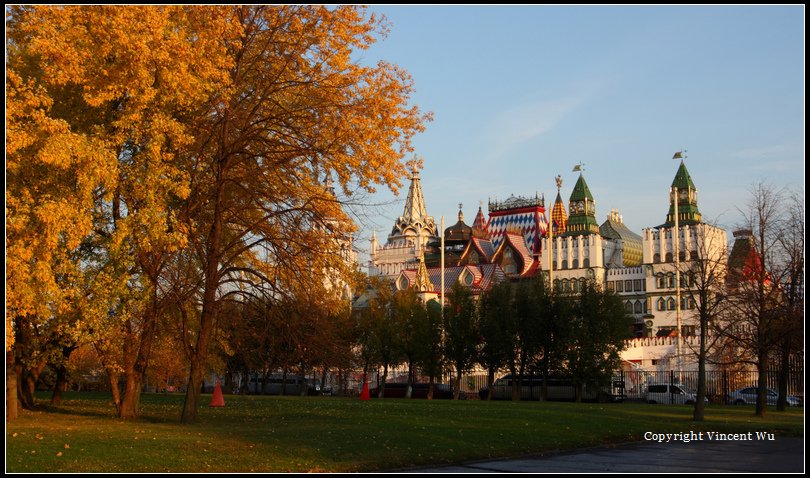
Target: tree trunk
[[283, 382], [784, 374], [61, 375], [132, 395], [303, 386], [198, 355], [490, 382], [137, 350], [700, 406], [544, 386], [116, 393], [409, 390], [381, 392], [193, 392], [61, 381], [12, 410], [762, 397], [210, 304], [27, 382], [323, 378], [457, 387]]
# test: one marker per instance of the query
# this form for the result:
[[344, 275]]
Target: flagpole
[[550, 253], [442, 267], [677, 277]]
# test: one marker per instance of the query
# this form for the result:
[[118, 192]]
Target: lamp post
[[676, 241], [558, 180]]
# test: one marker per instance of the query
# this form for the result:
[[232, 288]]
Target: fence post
[[671, 381]]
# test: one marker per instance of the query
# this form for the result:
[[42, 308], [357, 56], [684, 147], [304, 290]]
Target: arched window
[[670, 304], [694, 255], [657, 258], [628, 307], [565, 264], [586, 263], [661, 281], [566, 286], [557, 285], [670, 280], [669, 257], [574, 285], [661, 305], [575, 264], [637, 308], [681, 256], [684, 280]]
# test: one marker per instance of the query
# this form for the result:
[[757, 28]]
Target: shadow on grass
[[107, 414]]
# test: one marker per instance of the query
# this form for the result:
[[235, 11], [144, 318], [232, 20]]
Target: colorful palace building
[[513, 244]]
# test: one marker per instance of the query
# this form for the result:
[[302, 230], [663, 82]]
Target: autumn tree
[[531, 307], [201, 129], [296, 108], [429, 358], [599, 327], [498, 330], [116, 88], [408, 316], [462, 335], [553, 330]]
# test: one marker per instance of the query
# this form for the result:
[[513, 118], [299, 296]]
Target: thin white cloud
[[763, 152], [528, 120]]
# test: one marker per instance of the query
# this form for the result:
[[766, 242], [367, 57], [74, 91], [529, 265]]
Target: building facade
[[515, 244]]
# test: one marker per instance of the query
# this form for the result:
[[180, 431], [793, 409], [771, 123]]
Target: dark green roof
[[682, 179], [581, 190], [688, 212]]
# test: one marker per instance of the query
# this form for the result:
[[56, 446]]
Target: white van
[[670, 394]]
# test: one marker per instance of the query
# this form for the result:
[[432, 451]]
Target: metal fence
[[632, 385]]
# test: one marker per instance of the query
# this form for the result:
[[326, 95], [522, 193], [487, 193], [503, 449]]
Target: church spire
[[423, 283], [415, 210], [688, 212], [479, 226], [558, 215]]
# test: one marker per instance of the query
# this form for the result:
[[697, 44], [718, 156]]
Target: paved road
[[784, 455]]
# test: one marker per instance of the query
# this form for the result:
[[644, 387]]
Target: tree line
[[519, 327]]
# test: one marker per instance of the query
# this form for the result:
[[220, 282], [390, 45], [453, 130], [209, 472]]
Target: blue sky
[[523, 93]]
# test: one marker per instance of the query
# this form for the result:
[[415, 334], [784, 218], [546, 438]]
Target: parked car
[[291, 385], [420, 390], [748, 396], [670, 394], [559, 389]]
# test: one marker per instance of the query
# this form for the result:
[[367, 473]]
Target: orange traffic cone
[[217, 400], [365, 395]]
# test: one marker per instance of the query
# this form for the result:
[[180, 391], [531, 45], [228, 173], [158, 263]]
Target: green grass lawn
[[277, 434]]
